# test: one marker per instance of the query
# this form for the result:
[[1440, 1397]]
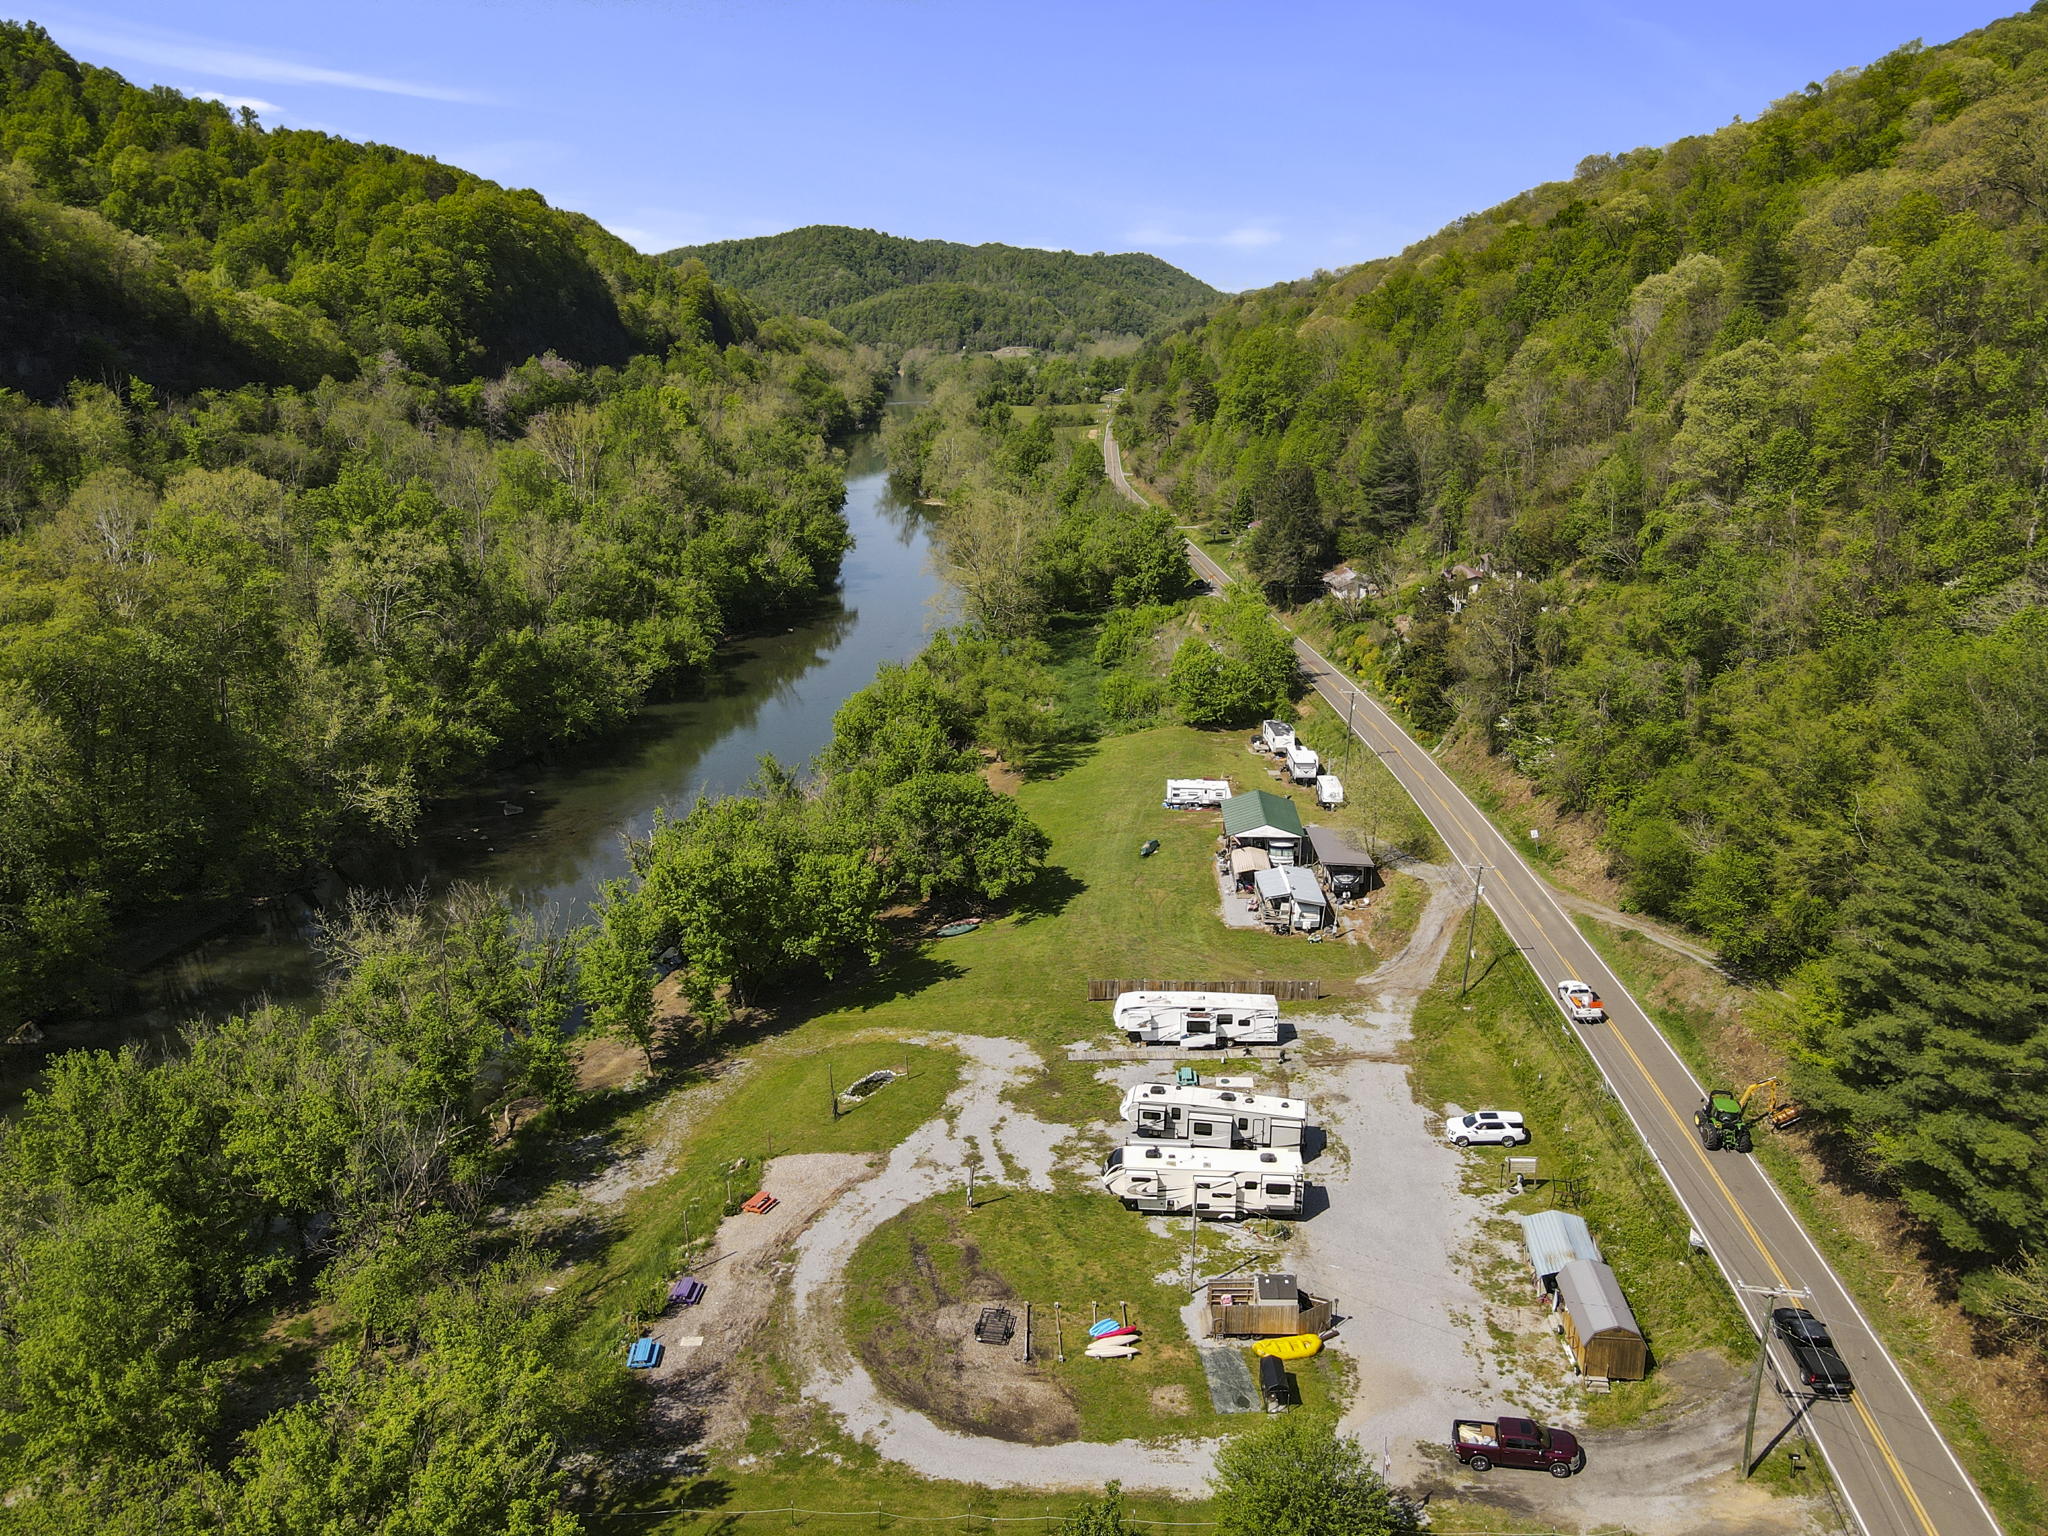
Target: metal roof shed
[[1260, 813], [1553, 1239], [1302, 887], [1598, 1323]]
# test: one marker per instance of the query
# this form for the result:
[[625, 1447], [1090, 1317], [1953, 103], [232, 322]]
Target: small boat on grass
[[954, 930]]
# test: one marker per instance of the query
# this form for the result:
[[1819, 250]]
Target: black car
[[1820, 1369]]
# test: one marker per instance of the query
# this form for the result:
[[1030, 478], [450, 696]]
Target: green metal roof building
[[1260, 814]]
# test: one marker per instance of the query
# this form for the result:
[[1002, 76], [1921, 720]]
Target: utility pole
[[832, 1088], [1478, 872], [1769, 1293]]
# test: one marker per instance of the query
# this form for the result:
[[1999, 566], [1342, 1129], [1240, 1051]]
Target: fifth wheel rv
[[1173, 1179], [1197, 1019], [1214, 1117]]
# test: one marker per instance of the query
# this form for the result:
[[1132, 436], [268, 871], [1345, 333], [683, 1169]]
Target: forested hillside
[[242, 625], [149, 233], [935, 293], [1742, 445]]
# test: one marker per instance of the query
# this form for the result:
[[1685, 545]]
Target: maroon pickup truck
[[1506, 1442]]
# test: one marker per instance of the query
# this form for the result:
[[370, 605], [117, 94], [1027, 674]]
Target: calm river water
[[548, 839]]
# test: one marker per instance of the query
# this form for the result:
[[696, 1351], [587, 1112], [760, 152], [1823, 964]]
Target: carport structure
[[1598, 1324]]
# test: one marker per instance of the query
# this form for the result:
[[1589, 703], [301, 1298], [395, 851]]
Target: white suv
[[1501, 1127]]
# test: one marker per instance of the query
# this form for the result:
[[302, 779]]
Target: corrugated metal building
[[1598, 1323], [1553, 1239]]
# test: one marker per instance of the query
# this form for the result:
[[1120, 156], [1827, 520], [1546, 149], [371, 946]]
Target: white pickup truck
[[1581, 1003]]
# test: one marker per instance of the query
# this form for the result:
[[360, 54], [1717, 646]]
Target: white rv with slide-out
[[1195, 794], [1173, 1179], [1195, 1020], [1203, 1116], [1276, 736]]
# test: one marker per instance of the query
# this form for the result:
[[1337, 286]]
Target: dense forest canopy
[[935, 293], [148, 233], [1740, 451], [243, 625]]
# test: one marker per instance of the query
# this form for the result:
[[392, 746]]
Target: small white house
[[1197, 1019], [1276, 736], [1196, 794], [1329, 791], [1303, 766], [1223, 1182]]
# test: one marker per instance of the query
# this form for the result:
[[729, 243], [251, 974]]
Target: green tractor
[[1723, 1121]]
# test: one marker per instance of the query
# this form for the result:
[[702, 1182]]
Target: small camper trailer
[[1213, 1117], [1329, 791], [1303, 766], [1276, 736], [1198, 1019], [1195, 794], [1225, 1183]]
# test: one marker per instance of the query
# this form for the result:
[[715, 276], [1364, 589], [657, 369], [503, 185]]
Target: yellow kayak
[[1296, 1346]]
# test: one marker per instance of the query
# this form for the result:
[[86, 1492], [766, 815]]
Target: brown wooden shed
[[1598, 1324], [1265, 1306]]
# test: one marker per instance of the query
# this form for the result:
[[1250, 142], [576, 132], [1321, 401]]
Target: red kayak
[[1128, 1330]]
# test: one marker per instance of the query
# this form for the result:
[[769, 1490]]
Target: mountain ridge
[[880, 287]]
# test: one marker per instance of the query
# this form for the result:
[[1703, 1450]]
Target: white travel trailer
[[1276, 735], [1222, 1182], [1329, 791], [1303, 766], [1196, 794], [1213, 1117], [1198, 1019]]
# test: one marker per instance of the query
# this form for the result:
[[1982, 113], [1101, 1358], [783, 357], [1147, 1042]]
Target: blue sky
[[1245, 142]]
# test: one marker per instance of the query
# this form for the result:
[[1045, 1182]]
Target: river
[[549, 838]]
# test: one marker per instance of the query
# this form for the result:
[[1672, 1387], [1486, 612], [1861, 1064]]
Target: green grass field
[[1100, 911]]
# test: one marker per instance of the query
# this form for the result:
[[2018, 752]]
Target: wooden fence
[[1106, 991]]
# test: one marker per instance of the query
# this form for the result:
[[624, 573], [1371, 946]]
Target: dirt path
[[1395, 1250], [1655, 932], [976, 1122]]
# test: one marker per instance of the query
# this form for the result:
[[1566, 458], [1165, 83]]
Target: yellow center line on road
[[1330, 675]]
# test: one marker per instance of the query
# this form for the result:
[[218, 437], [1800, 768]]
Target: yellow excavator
[[1772, 1104]]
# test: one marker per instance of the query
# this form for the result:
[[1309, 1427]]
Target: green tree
[[1099, 1517], [1295, 1475]]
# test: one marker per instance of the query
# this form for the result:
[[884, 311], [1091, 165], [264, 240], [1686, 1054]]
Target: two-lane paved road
[[1892, 1466]]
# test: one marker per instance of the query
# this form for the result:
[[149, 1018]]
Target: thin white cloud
[[1244, 237], [176, 51], [253, 103], [654, 230]]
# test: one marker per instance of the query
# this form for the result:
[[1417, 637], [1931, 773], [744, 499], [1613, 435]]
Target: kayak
[[1111, 1349], [954, 930], [1296, 1346], [1097, 1330], [1129, 1331]]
